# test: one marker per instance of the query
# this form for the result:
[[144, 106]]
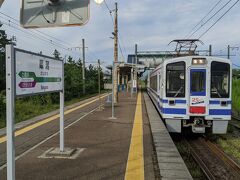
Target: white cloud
[[150, 23]]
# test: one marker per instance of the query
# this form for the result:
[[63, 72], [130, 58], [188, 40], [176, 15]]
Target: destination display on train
[[37, 74]]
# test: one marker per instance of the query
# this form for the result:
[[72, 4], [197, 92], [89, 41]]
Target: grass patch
[[236, 95]]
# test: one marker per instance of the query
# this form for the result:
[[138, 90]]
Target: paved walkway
[[107, 147]]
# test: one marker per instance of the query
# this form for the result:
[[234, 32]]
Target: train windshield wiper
[[219, 95], [178, 92]]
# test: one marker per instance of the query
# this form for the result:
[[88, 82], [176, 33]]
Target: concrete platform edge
[[171, 165]]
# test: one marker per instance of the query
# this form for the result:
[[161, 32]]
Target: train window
[[220, 80], [175, 85], [153, 83], [159, 83], [198, 82]]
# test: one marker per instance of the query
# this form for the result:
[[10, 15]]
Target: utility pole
[[228, 52], [116, 54], [83, 66], [210, 50]]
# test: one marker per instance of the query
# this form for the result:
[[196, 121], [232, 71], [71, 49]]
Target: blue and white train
[[193, 92]]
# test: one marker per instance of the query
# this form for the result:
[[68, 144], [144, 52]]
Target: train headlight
[[195, 61], [199, 61]]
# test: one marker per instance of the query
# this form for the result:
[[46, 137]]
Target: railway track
[[234, 122], [236, 118], [212, 160]]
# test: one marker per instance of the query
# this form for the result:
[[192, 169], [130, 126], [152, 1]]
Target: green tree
[[73, 78], [56, 54], [236, 73]]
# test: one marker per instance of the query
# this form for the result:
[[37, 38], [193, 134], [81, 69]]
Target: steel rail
[[235, 118], [234, 124], [231, 165], [222, 155], [200, 162]]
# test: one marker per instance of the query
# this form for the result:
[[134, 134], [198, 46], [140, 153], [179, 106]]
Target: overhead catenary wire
[[217, 12], [218, 19], [203, 18], [236, 65]]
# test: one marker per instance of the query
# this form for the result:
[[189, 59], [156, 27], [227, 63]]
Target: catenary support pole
[[210, 50], [228, 55], [10, 95], [62, 113]]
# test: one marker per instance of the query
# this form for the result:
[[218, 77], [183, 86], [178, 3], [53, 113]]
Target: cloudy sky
[[152, 24]]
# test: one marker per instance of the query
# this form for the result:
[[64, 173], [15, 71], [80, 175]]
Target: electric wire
[[218, 19], [42, 36], [217, 12], [42, 33], [119, 39], [204, 17], [11, 25], [236, 65]]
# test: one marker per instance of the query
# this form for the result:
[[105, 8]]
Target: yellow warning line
[[135, 164], [47, 120]]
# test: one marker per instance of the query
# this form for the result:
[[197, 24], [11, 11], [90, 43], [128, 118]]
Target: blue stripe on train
[[177, 101], [219, 102], [171, 110], [226, 112]]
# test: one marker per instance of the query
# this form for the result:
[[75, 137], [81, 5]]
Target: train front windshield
[[220, 80], [175, 80]]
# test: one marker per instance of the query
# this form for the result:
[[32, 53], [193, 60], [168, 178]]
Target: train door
[[198, 99]]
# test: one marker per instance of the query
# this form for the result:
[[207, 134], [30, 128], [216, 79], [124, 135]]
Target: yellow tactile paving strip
[[135, 164]]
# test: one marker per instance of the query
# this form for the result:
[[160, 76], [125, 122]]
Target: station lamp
[[1, 2], [99, 1]]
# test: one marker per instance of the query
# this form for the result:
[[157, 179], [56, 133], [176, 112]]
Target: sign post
[[10, 95], [62, 112], [29, 74]]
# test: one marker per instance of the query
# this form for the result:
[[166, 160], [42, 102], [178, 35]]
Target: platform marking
[[135, 163], [47, 120]]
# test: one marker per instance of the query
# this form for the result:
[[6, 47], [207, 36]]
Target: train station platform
[[104, 148]]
